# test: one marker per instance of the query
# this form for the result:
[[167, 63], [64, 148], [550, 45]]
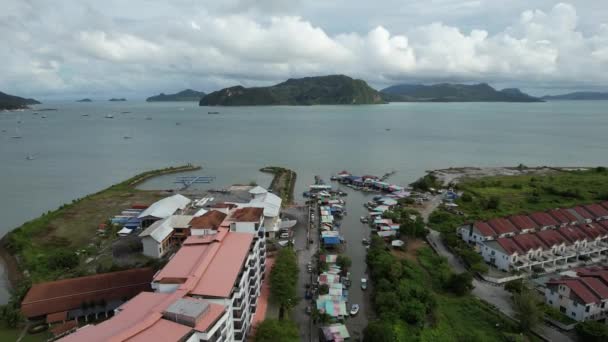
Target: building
[[208, 291], [164, 234], [207, 223], [541, 241], [84, 297], [582, 296], [163, 208]]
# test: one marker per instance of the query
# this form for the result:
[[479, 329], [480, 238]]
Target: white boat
[[17, 134], [43, 116], [109, 116], [354, 309]]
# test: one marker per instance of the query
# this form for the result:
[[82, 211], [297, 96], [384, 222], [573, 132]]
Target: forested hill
[[322, 90]]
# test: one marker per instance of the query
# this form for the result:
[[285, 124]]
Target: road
[[491, 293]]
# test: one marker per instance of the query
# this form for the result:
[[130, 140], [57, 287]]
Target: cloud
[[172, 47]]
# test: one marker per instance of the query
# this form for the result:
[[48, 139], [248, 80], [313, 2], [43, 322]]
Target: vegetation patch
[[425, 301], [283, 183]]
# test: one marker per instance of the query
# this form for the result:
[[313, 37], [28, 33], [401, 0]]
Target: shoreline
[[9, 261]]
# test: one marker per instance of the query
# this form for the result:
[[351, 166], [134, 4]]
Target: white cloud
[[172, 47]]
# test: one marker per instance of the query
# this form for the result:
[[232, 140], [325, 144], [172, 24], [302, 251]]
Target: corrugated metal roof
[[166, 206]]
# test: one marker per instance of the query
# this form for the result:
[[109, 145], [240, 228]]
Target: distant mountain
[[117, 100], [15, 102], [579, 95], [333, 89], [184, 95], [85, 100], [447, 92]]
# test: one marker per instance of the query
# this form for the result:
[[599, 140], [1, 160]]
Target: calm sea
[[74, 155]]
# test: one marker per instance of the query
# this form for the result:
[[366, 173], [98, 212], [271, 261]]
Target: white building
[[159, 237], [163, 208], [581, 297]]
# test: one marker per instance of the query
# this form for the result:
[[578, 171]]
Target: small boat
[[43, 116], [30, 157], [354, 309], [148, 118], [388, 129], [364, 219], [35, 113], [85, 114], [109, 116], [127, 137], [17, 134], [177, 124], [213, 112], [363, 284], [125, 112]]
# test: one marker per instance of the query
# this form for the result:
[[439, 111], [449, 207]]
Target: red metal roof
[[509, 245], [583, 213], [550, 237], [248, 214], [543, 219], [484, 228], [523, 222], [572, 234], [579, 289], [597, 286], [502, 226], [561, 217], [591, 230], [597, 210], [210, 220], [68, 294], [528, 241]]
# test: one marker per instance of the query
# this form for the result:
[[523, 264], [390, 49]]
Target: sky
[[137, 48]]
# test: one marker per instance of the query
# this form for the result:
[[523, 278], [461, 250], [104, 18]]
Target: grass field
[[43, 243], [524, 194], [11, 335]]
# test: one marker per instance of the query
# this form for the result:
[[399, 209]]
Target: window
[[573, 314], [550, 302], [587, 308]]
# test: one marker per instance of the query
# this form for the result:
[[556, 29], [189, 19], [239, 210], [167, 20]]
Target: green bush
[[62, 259], [592, 331]]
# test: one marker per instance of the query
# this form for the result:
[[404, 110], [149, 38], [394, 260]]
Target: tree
[[62, 259], [283, 280], [493, 203], [527, 311], [461, 284], [323, 289], [592, 331], [272, 330], [344, 262], [378, 331], [514, 286]]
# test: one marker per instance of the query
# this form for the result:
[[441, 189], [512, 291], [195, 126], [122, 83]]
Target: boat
[[43, 116], [30, 157], [213, 112], [148, 118], [364, 219], [127, 137], [85, 114], [17, 134], [109, 116], [177, 124], [363, 284], [354, 309]]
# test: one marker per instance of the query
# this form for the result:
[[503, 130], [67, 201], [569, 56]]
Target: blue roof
[[331, 240]]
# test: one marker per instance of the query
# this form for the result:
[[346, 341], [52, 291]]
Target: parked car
[[284, 236], [354, 309], [365, 241], [363, 284], [308, 310]]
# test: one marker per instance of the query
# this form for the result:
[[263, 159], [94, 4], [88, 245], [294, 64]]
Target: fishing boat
[[43, 116], [30, 157], [85, 114], [213, 112], [109, 116]]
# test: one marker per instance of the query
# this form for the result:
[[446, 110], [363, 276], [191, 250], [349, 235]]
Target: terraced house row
[[542, 241]]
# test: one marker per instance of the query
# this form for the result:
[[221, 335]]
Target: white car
[[363, 284], [354, 309]]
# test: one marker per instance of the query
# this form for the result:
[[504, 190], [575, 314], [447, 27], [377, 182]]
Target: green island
[[11, 102], [321, 90], [449, 92], [184, 95]]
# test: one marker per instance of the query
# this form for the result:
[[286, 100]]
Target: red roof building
[[572, 234], [528, 242], [551, 237], [597, 210], [509, 246], [543, 219], [582, 212], [484, 229], [523, 222], [562, 216], [503, 226]]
